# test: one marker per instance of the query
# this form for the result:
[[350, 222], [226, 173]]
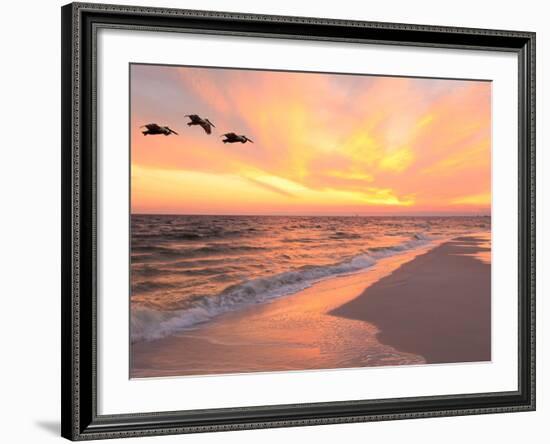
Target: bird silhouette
[[233, 138], [206, 125], [153, 129]]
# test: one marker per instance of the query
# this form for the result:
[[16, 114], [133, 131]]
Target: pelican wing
[[152, 126], [230, 135], [193, 117], [206, 127]]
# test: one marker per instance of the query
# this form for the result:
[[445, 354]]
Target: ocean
[[188, 270]]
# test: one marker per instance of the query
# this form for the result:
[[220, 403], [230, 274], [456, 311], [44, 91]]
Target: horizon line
[[318, 215]]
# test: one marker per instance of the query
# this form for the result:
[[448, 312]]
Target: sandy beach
[[424, 306], [437, 306]]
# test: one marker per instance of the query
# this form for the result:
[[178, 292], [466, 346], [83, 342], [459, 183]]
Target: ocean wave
[[207, 250], [344, 235], [300, 240], [416, 240], [150, 286], [221, 249], [149, 324]]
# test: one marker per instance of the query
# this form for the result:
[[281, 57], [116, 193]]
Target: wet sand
[[437, 306], [423, 306]]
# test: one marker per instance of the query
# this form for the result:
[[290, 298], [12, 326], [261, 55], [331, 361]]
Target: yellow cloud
[[286, 186], [351, 175], [386, 196], [475, 199], [363, 148], [424, 121], [476, 155], [397, 161]]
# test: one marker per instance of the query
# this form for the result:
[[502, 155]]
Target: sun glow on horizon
[[323, 143]]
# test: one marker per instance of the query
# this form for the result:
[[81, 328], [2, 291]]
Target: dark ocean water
[[186, 270]]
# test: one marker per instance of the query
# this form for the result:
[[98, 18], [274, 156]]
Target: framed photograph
[[283, 221]]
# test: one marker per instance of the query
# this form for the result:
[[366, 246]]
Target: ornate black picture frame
[[80, 420]]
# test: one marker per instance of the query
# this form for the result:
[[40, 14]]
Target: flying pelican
[[153, 128], [232, 138], [204, 123]]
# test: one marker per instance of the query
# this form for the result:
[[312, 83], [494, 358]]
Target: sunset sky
[[323, 143]]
